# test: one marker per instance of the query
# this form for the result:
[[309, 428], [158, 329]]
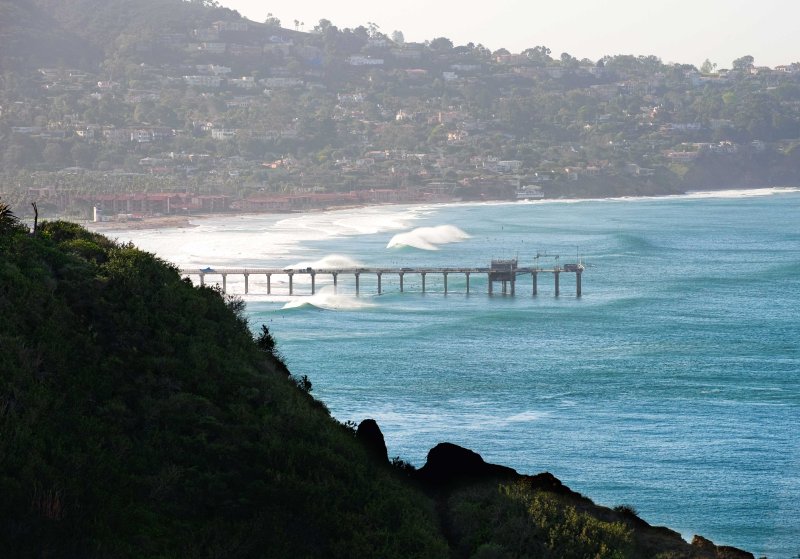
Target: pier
[[503, 274]]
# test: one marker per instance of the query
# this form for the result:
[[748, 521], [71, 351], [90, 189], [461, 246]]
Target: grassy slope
[[139, 419]]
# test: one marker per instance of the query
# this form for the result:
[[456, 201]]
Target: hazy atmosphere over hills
[[148, 107], [680, 31]]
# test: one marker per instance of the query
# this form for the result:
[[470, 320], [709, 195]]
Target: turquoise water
[[672, 385]]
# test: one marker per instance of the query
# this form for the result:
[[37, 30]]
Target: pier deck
[[504, 272]]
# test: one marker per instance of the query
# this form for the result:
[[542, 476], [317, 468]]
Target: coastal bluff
[[451, 469]]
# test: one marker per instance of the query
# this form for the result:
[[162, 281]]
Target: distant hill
[[31, 36], [101, 22], [126, 97]]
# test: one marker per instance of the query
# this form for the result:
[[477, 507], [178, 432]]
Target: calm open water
[[672, 385]]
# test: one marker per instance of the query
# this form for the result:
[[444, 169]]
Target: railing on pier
[[504, 272]]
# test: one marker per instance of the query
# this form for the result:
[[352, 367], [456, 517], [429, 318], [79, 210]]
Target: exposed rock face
[[371, 437], [449, 467], [448, 462], [719, 551]]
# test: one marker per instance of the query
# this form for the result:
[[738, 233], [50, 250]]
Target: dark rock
[[448, 462], [719, 551], [371, 437]]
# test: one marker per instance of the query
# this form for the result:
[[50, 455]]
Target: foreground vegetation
[[139, 418]]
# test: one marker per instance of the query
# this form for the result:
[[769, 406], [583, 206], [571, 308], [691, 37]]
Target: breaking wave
[[428, 238], [330, 262], [326, 299]]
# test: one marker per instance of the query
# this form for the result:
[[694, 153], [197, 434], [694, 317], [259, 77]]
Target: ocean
[[672, 385]]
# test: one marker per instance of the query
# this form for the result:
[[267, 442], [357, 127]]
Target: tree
[[323, 26], [7, 218], [53, 155], [568, 60], [744, 63], [441, 44], [397, 37], [374, 29], [708, 66], [81, 155], [539, 55], [14, 157], [272, 21]]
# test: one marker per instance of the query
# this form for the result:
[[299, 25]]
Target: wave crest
[[428, 238], [326, 299], [330, 262]]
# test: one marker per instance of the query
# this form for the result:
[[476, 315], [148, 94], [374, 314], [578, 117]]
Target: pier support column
[[357, 283], [423, 281], [291, 284], [224, 283], [534, 280], [491, 286], [445, 282], [467, 274], [401, 282], [513, 284], [313, 283], [505, 287], [577, 284], [556, 274], [269, 284], [202, 280], [335, 282], [246, 284], [379, 282]]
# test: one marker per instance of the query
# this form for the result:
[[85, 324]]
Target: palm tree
[[7, 218]]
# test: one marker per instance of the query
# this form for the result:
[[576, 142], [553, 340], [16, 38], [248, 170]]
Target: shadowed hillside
[[139, 418]]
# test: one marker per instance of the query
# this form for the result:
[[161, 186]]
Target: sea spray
[[428, 238], [330, 262], [327, 299]]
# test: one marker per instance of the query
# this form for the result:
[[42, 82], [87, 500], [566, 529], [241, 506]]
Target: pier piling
[[504, 272]]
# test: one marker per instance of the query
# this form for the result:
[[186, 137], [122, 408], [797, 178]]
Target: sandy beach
[[162, 222]]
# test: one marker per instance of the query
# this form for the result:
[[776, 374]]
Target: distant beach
[[159, 222], [187, 221]]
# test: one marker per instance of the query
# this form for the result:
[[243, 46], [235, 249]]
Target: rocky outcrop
[[708, 549], [448, 462], [370, 435], [450, 468]]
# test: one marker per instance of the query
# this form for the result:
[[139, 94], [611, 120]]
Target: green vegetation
[[140, 418], [515, 521]]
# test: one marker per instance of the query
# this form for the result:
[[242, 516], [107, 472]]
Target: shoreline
[[186, 221]]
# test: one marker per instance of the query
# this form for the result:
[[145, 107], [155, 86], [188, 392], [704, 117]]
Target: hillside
[[117, 104], [31, 37], [139, 418]]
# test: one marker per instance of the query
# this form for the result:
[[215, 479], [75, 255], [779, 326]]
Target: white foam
[[330, 262], [258, 240], [428, 238], [741, 193], [327, 299], [527, 416]]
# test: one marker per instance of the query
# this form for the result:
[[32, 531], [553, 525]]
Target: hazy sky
[[686, 31]]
